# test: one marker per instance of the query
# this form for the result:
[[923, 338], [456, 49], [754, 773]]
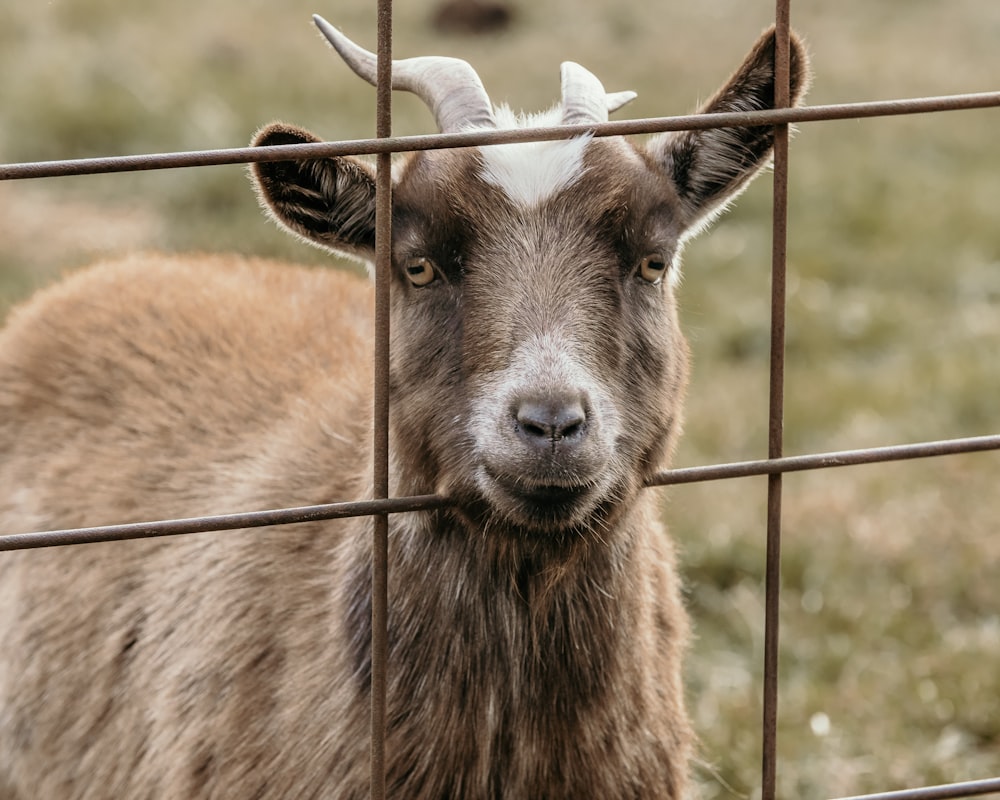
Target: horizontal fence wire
[[440, 141], [432, 502], [773, 467], [942, 792]]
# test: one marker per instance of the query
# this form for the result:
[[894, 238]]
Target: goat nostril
[[551, 422], [570, 425], [532, 429]]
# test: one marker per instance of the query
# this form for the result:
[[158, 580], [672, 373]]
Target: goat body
[[535, 626]]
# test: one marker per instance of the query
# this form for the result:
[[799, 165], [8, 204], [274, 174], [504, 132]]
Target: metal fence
[[774, 466]]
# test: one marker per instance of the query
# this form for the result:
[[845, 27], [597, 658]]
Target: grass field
[[890, 647]]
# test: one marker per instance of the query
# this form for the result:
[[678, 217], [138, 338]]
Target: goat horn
[[618, 99], [584, 99], [449, 86]]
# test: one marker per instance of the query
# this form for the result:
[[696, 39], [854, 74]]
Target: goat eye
[[420, 271], [653, 267]]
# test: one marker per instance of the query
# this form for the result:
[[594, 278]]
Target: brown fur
[[536, 629]]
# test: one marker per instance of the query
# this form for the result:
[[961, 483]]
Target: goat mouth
[[539, 505], [552, 494]]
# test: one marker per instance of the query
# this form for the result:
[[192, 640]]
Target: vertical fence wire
[[380, 411], [775, 446]]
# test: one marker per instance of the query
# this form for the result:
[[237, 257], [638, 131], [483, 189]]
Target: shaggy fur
[[536, 631]]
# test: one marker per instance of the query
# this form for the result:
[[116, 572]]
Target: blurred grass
[[890, 672]]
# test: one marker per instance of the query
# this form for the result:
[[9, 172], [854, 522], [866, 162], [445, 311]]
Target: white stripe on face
[[531, 172]]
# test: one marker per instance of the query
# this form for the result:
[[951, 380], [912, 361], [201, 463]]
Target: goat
[[536, 630]]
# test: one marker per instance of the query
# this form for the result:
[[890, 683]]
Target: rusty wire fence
[[774, 466]]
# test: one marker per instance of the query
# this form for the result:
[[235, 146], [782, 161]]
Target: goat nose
[[551, 423]]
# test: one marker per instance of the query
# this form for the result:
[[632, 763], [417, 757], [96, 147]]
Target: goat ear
[[711, 167], [329, 202]]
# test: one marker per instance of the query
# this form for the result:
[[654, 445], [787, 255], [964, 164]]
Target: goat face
[[537, 367], [535, 338]]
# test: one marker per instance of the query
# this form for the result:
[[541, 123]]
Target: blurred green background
[[890, 643]]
